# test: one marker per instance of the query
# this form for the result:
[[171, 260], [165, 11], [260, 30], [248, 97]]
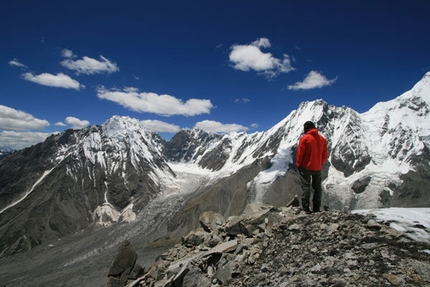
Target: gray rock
[[326, 249], [194, 238], [194, 278], [234, 226], [122, 265], [211, 221]]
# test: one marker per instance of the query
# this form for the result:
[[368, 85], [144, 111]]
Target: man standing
[[311, 155]]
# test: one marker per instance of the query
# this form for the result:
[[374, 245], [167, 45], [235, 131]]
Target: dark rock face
[[187, 145], [413, 190], [124, 266], [350, 154], [267, 246], [360, 185], [218, 156]]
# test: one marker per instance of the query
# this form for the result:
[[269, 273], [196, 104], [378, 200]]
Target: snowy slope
[[369, 152], [414, 222]]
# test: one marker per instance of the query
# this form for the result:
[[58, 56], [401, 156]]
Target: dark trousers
[[310, 178]]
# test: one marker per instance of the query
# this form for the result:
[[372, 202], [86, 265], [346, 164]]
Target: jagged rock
[[235, 226], [136, 272], [224, 247], [212, 240], [211, 221], [194, 238], [122, 266], [193, 278], [321, 249], [253, 218], [224, 274]]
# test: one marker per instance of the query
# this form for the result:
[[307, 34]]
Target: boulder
[[211, 221], [122, 265]]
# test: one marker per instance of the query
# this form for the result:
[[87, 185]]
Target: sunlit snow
[[413, 222]]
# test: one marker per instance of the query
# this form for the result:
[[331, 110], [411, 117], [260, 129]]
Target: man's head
[[308, 125]]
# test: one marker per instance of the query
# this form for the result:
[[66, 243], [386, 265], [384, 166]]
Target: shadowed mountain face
[[109, 176]]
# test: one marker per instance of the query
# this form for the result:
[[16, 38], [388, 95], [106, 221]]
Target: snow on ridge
[[413, 222], [45, 173], [122, 133], [406, 110]]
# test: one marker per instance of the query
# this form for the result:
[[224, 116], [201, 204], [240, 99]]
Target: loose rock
[[269, 246]]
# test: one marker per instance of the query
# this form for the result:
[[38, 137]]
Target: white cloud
[[250, 57], [16, 63], [90, 66], [217, 127], [20, 140], [11, 119], [164, 105], [242, 100], [262, 42], [312, 81], [159, 126], [77, 123], [254, 125], [59, 81], [66, 53], [60, 124]]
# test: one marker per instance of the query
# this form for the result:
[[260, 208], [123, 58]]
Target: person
[[311, 155]]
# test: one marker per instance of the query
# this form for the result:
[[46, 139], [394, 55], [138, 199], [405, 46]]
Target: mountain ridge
[[108, 175]]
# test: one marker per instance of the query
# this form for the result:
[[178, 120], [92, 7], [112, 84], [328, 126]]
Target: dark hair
[[308, 125]]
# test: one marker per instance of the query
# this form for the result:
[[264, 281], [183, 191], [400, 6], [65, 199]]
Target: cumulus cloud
[[20, 140], [164, 105], [59, 80], [60, 124], [159, 126], [89, 66], [312, 81], [217, 127], [251, 58], [77, 123], [66, 53], [11, 119], [16, 63]]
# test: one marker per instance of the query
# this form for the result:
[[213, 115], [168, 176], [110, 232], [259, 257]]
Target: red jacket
[[312, 151]]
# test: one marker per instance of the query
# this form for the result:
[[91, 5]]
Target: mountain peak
[[120, 126], [421, 89]]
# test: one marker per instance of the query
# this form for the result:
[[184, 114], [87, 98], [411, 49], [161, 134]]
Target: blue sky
[[217, 65]]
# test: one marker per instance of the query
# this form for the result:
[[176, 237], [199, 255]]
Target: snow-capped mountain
[[105, 174]]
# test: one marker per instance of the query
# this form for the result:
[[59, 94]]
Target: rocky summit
[[283, 246]]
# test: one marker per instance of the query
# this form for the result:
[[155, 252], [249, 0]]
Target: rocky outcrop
[[268, 246], [124, 266]]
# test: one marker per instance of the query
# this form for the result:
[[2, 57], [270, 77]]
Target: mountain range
[[124, 178]]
